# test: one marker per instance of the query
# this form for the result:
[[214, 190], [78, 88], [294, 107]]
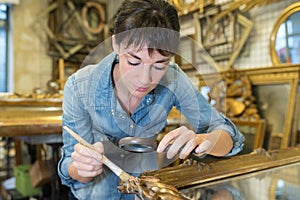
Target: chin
[[139, 94]]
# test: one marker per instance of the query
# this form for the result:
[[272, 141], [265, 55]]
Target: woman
[[130, 93]]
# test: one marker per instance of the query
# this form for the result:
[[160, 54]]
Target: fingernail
[[170, 155], [200, 150], [204, 146]]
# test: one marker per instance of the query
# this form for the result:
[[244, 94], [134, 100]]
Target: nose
[[145, 75]]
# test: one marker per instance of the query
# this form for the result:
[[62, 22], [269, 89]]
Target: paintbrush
[[112, 166]]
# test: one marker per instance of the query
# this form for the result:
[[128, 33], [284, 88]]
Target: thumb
[[204, 147], [99, 147], [98, 151]]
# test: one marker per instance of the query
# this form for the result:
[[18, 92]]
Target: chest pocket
[[155, 121]]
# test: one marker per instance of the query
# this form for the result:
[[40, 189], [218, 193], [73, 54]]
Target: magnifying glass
[[139, 145]]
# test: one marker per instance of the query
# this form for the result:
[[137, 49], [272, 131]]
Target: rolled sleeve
[[63, 166], [237, 137]]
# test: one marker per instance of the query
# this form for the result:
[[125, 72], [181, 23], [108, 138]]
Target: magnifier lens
[[137, 144]]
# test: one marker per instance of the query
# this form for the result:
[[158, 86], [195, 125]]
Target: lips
[[142, 89]]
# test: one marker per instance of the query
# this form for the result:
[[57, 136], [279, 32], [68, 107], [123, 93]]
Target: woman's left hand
[[180, 138], [183, 141]]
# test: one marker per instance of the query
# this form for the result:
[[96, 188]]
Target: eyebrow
[[158, 61]]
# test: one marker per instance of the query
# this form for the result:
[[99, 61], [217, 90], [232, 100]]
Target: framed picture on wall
[[275, 95], [218, 38], [186, 55], [254, 133], [275, 90]]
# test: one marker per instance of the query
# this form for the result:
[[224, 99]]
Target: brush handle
[[112, 166]]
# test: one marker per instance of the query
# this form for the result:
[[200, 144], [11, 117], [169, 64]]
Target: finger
[[204, 147], [80, 149], [87, 166], [188, 148], [191, 145], [86, 159], [86, 152], [167, 139], [179, 142], [99, 147], [86, 170], [210, 141]]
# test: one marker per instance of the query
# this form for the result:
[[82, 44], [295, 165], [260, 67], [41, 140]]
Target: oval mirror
[[285, 37]]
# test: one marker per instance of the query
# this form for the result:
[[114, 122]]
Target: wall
[[33, 67], [264, 19]]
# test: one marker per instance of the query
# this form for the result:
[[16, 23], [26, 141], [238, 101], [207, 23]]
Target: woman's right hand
[[87, 163]]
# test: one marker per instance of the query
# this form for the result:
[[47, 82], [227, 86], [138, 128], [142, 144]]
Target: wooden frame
[[228, 47], [73, 29], [217, 34], [254, 132], [247, 25], [186, 55]]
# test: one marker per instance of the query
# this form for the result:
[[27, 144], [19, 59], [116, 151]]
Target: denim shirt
[[91, 109]]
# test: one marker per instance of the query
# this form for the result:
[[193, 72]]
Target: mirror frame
[[284, 74], [282, 17]]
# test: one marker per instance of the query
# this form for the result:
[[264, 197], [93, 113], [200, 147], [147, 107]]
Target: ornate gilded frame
[[282, 76], [185, 7], [190, 176], [271, 76], [295, 7]]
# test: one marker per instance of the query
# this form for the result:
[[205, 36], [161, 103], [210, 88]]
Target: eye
[[159, 67], [133, 64]]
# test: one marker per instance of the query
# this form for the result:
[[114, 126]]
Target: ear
[[115, 46]]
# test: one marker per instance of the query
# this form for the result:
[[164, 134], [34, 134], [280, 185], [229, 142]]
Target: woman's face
[[139, 72]]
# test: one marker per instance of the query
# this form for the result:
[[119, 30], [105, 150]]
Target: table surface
[[20, 119]]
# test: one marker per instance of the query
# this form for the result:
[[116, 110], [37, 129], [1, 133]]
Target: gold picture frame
[[254, 133], [266, 83], [208, 172], [185, 7]]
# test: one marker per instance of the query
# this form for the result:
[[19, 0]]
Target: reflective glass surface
[[280, 183]]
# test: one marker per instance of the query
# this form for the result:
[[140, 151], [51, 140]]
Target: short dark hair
[[151, 22]]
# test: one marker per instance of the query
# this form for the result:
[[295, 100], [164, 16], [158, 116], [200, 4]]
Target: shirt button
[[122, 116], [112, 112], [131, 126], [148, 101]]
